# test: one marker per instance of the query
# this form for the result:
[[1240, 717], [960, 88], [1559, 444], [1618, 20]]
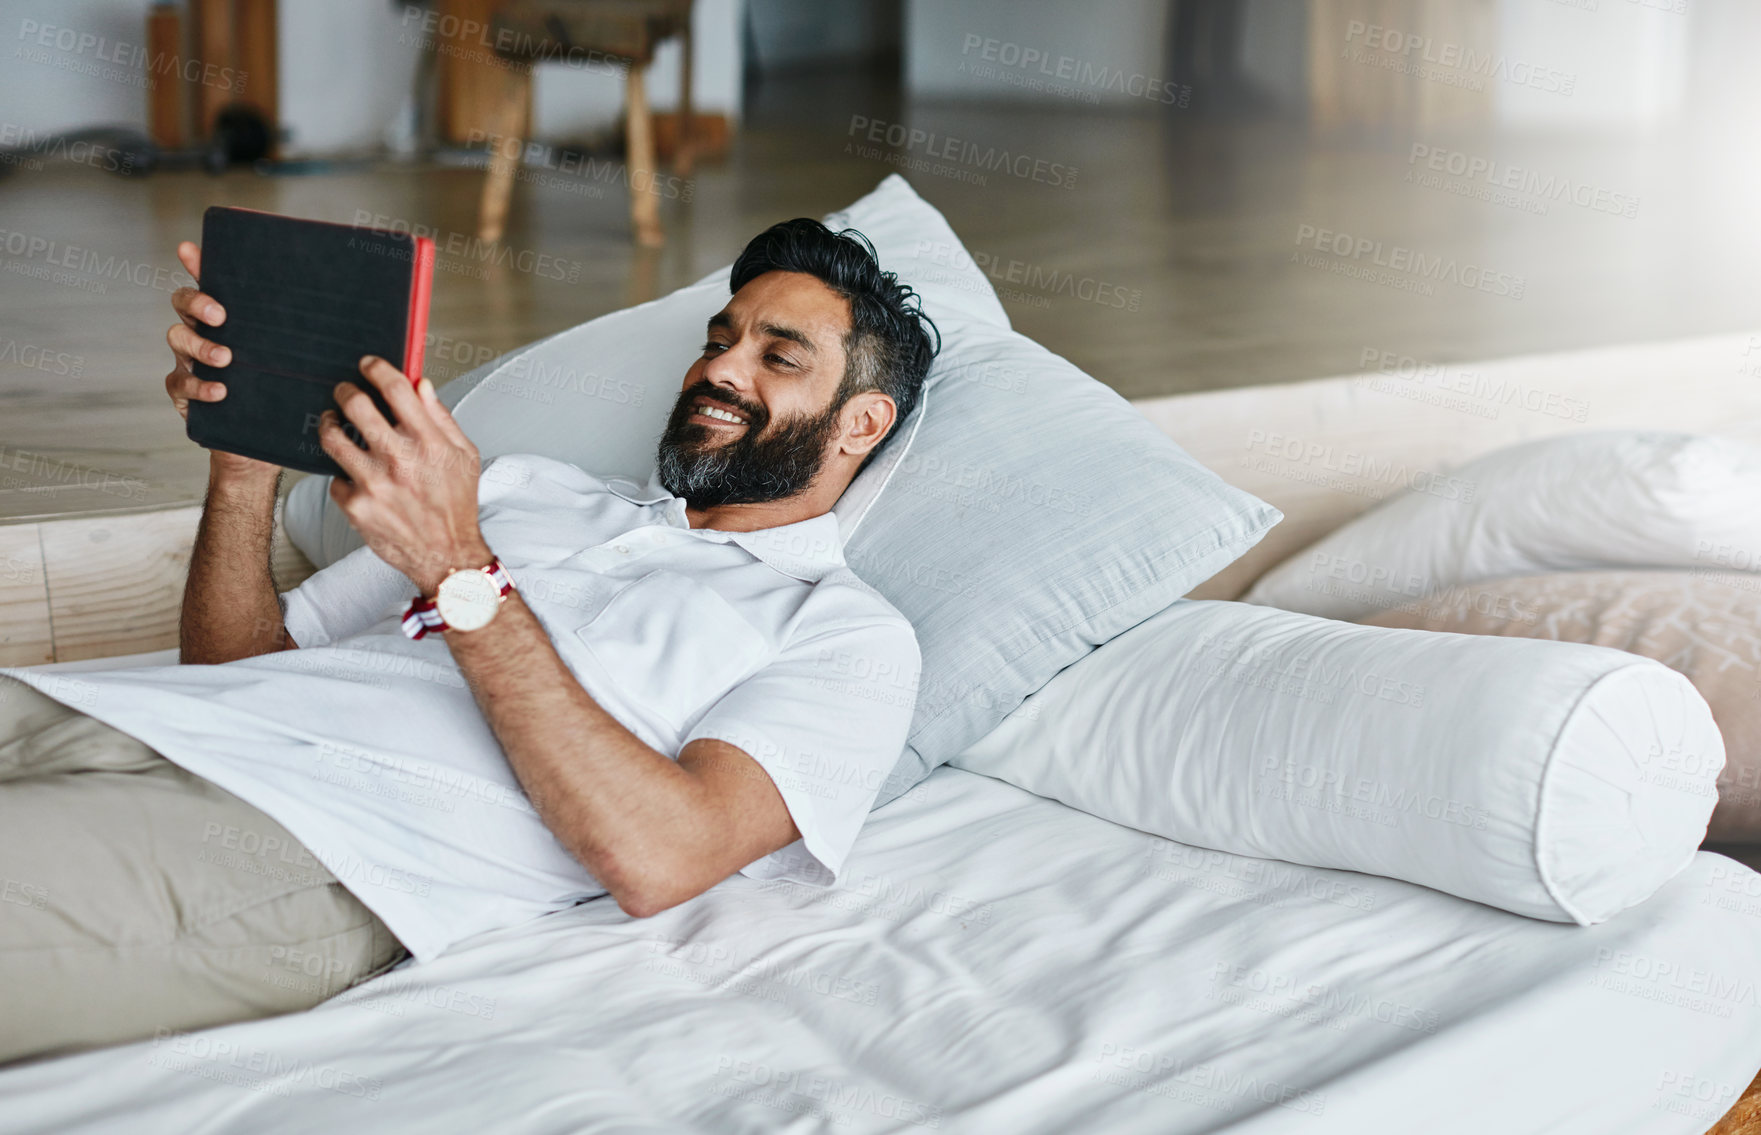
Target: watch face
[[467, 600]]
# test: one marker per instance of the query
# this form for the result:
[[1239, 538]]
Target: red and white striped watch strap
[[422, 615]]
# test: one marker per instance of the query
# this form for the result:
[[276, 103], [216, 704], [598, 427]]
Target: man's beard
[[750, 469]]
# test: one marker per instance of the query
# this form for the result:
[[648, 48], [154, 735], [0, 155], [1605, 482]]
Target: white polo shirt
[[371, 749]]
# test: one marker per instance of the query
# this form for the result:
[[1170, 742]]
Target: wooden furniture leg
[[506, 133], [683, 155], [639, 159], [212, 28], [165, 101], [255, 24]]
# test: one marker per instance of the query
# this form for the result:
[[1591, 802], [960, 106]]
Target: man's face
[[773, 361]]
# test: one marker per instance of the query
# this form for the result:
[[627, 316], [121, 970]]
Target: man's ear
[[867, 418]]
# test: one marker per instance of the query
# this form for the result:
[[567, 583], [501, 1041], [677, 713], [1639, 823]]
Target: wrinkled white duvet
[[998, 962]]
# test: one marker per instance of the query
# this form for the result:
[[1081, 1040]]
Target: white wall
[[42, 90], [1627, 59], [945, 49], [347, 72]]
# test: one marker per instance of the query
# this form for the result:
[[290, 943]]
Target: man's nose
[[730, 370]]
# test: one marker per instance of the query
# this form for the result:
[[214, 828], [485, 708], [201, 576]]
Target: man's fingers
[[381, 436], [395, 386], [190, 253], [334, 440], [187, 345], [342, 491], [442, 416], [193, 306], [182, 384]]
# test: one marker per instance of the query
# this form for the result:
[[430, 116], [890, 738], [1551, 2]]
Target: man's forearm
[[629, 813], [230, 610]]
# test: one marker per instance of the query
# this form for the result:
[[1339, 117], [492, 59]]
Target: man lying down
[[530, 688]]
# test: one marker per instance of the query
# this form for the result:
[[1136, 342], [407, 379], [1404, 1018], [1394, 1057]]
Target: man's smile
[[717, 412]]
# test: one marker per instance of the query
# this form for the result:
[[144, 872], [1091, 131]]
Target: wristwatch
[[466, 600]]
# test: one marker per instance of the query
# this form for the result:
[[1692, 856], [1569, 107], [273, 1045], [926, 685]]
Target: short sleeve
[[344, 599], [360, 589], [827, 720]]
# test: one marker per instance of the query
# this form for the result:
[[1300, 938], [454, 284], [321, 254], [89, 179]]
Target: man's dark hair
[[887, 347]]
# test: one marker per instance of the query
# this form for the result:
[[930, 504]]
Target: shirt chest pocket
[[672, 644]]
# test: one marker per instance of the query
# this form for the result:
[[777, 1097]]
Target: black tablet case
[[304, 301]]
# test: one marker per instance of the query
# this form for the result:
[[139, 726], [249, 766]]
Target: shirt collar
[[807, 549]]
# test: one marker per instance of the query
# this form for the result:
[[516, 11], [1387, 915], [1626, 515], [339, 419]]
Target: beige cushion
[[1707, 626]]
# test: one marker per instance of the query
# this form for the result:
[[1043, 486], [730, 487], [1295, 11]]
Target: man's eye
[[778, 360], [713, 346]]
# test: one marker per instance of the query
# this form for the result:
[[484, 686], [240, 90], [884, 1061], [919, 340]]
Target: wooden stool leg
[[639, 159], [507, 125], [683, 155]]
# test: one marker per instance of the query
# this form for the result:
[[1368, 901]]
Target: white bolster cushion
[[1557, 780]]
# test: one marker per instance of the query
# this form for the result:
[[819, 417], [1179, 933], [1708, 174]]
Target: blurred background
[[1175, 194]]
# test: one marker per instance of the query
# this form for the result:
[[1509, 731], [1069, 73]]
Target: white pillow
[[1037, 516], [1556, 780], [1614, 498], [598, 395]]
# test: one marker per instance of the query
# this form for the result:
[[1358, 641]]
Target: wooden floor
[[1191, 224]]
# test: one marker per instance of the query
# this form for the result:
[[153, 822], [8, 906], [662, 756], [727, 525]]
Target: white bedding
[[998, 962]]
